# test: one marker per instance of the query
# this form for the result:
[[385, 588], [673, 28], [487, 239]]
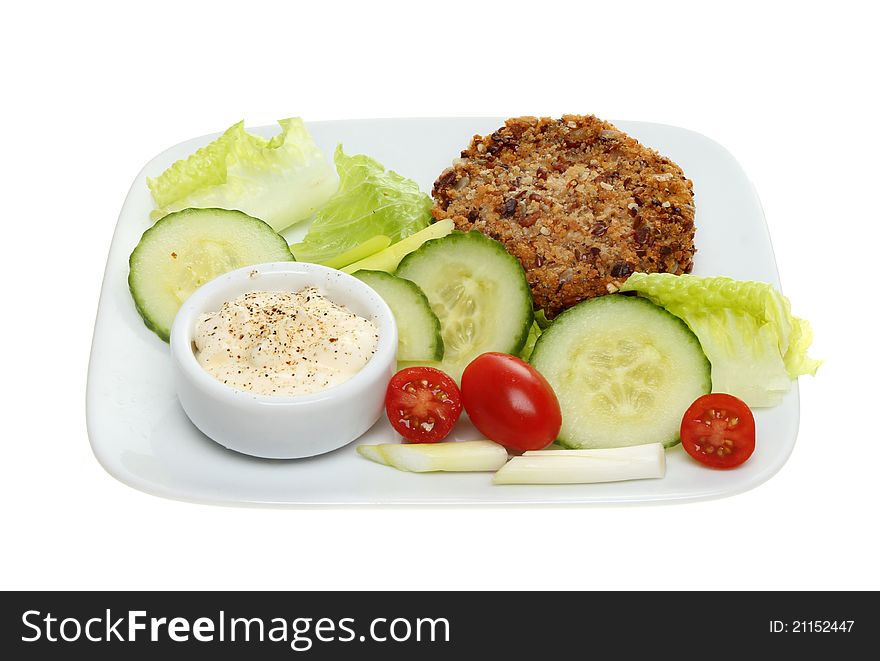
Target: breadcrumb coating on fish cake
[[580, 203]]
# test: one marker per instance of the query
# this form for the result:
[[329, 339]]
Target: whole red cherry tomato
[[510, 402]]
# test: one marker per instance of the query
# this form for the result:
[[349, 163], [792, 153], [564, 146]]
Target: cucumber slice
[[479, 293], [418, 329], [186, 249], [624, 371]]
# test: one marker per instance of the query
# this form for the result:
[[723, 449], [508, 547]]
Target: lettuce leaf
[[389, 259], [542, 320], [754, 343], [371, 200], [534, 333], [282, 180], [359, 253]]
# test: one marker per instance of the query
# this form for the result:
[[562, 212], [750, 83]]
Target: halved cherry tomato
[[510, 402], [718, 430], [422, 404]]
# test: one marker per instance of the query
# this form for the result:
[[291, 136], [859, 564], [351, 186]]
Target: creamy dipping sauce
[[284, 343]]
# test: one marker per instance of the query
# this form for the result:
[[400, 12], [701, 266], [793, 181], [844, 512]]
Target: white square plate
[[141, 436]]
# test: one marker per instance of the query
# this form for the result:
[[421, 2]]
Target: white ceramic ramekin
[[283, 427]]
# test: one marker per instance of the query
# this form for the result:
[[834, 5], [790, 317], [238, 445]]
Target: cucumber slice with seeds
[[418, 329], [624, 371], [479, 293], [186, 249]]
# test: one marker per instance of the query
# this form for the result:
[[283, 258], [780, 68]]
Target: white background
[[92, 91]]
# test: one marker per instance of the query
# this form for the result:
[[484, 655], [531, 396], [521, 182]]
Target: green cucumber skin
[[671, 443], [395, 281], [545, 343], [140, 305], [478, 238]]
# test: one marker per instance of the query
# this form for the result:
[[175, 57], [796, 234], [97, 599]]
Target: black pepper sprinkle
[[259, 332]]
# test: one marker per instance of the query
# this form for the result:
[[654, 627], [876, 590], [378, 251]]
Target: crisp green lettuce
[[542, 320], [359, 253], [371, 200], [389, 259], [282, 180], [539, 325], [754, 343], [532, 339]]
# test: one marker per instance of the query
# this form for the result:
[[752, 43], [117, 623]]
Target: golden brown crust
[[578, 202]]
